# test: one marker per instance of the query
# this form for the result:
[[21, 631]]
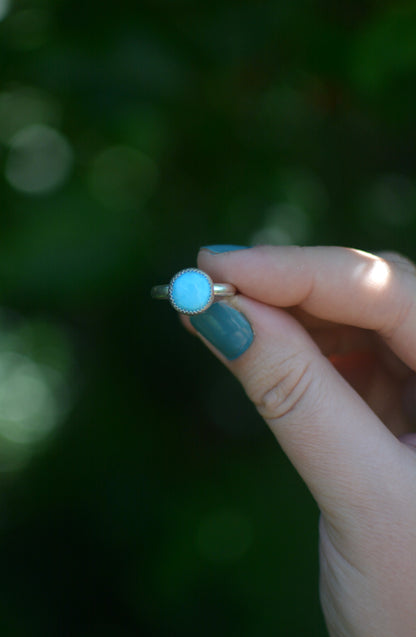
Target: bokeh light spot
[[39, 160], [224, 535], [28, 409], [4, 8], [34, 388], [21, 106], [122, 178]]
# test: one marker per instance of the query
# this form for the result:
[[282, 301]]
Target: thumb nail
[[225, 328]]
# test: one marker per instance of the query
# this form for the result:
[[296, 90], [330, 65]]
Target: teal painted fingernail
[[217, 249], [225, 328]]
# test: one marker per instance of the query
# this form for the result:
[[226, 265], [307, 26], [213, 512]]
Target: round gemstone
[[191, 291]]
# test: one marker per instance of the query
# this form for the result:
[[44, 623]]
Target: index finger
[[338, 284]]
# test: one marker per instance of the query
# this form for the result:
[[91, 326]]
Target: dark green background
[[161, 505]]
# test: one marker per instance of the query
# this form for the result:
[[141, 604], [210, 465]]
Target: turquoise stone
[[191, 291]]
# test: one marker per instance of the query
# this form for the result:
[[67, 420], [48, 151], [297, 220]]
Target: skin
[[332, 371]]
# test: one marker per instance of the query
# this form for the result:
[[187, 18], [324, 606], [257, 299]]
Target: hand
[[333, 376]]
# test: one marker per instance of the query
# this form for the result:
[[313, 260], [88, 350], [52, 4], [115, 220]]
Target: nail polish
[[220, 248], [225, 328]]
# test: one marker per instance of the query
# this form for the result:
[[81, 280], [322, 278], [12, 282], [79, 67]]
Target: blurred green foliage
[[141, 493]]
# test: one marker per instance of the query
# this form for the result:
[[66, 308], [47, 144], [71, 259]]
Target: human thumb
[[337, 444]]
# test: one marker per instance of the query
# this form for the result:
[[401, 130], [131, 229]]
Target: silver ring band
[[192, 291]]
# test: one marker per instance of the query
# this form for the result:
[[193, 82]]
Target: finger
[[336, 284], [338, 445]]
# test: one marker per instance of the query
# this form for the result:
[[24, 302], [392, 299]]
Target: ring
[[192, 291]]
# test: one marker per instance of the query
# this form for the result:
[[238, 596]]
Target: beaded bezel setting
[[191, 291]]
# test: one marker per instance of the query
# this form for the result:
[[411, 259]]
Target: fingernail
[[217, 249], [225, 328]]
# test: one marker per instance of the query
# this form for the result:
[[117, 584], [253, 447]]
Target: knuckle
[[286, 395]]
